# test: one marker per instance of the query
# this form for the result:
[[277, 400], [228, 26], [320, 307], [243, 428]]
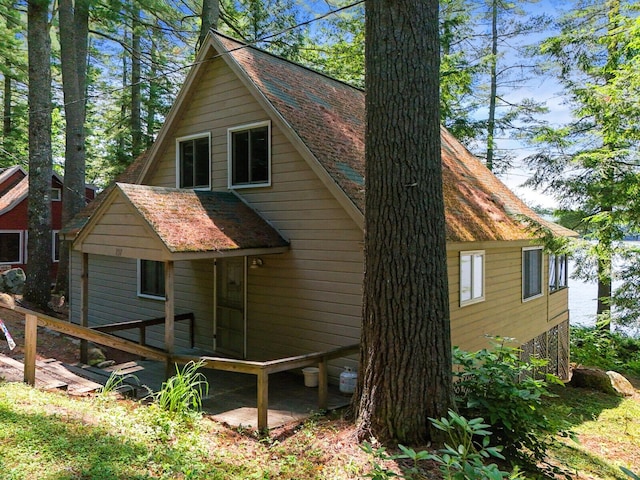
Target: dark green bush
[[608, 351], [497, 385]]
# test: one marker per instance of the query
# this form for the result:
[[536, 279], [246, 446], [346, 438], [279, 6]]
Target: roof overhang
[[168, 224]]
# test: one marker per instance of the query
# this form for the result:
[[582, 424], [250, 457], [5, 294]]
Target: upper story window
[[151, 279], [56, 194], [531, 272], [11, 246], [558, 272], [193, 161], [250, 155], [471, 277]]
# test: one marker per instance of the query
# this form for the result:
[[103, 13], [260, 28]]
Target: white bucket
[[310, 376]]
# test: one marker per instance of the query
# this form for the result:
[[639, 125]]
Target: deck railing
[[261, 370]]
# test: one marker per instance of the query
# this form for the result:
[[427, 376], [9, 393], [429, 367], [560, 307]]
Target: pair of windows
[[12, 250], [472, 266], [248, 153]]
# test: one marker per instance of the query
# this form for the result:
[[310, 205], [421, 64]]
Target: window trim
[[139, 283], [21, 248], [559, 285], [537, 295], [186, 138], [472, 254], [56, 194], [240, 128]]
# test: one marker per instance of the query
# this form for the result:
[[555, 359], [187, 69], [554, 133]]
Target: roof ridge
[[246, 44]]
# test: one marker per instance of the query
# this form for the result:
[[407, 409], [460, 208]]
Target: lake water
[[583, 303]]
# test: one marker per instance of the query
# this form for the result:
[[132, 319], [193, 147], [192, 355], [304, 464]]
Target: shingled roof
[[328, 116], [200, 221]]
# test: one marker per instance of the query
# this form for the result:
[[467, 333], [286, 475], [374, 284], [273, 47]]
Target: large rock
[[621, 385], [608, 382], [12, 281]]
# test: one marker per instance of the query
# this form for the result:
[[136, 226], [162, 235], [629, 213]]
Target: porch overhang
[[169, 224]]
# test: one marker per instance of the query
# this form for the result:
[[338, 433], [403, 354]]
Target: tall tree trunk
[[406, 345], [38, 286], [491, 122], [74, 37], [208, 19], [606, 239], [136, 86], [152, 101], [6, 110]]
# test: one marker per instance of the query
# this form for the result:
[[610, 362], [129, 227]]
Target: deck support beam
[[263, 399]]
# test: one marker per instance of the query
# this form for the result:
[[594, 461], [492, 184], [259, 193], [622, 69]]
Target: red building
[[14, 193]]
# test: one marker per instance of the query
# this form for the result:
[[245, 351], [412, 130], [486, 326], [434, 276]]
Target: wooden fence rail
[[262, 370]]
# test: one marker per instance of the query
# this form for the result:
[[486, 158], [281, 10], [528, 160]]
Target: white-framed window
[[193, 161], [151, 279], [56, 194], [11, 247], [471, 277], [249, 155], [55, 245], [558, 272], [531, 272]]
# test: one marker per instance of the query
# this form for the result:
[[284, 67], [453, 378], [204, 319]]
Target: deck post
[[169, 315], [323, 384], [263, 399], [84, 305], [30, 340]]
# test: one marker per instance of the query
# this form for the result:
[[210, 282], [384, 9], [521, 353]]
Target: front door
[[230, 320]]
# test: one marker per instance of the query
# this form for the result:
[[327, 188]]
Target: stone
[[611, 383], [621, 385], [12, 281], [95, 356]]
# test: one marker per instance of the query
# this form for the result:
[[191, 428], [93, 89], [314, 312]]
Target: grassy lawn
[[606, 429], [52, 436]]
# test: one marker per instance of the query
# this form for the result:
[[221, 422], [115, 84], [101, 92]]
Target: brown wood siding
[[502, 313]]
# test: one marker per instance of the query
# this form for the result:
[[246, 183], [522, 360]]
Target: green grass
[[606, 431], [52, 436]]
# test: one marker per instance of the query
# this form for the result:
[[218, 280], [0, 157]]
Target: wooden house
[[14, 193], [247, 212]]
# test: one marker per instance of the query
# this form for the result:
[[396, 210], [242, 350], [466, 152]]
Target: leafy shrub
[[183, 392], [462, 458], [497, 385], [609, 351]]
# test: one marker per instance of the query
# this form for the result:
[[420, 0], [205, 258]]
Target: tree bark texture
[[405, 371], [491, 123], [38, 285], [74, 37], [209, 18], [136, 86]]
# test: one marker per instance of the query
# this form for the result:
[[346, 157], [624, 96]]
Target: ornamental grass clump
[[507, 392], [183, 393]]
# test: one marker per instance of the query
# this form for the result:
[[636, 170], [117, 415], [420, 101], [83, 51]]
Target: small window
[[471, 277], [10, 247], [55, 246], [558, 272], [249, 155], [193, 162], [151, 279], [531, 273], [56, 194]]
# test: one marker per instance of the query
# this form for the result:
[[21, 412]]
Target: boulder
[[12, 281], [621, 385], [608, 382]]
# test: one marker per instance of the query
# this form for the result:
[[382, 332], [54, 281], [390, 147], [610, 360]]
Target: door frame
[[244, 305]]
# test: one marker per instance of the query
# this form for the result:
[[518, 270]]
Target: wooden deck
[[50, 374], [232, 397]]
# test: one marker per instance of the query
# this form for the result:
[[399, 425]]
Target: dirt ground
[[50, 344]]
